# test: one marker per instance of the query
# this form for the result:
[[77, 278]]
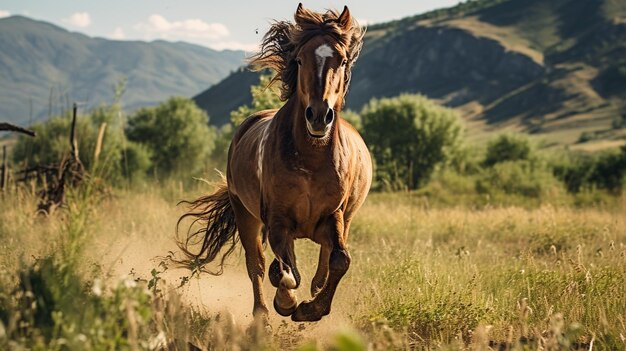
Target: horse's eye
[[344, 62]]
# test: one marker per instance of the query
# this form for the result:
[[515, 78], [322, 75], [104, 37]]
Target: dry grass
[[421, 278]]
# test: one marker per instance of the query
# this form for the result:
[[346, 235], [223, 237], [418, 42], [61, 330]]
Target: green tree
[[409, 136], [177, 135], [508, 147], [264, 97]]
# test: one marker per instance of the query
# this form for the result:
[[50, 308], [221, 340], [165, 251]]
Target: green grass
[[425, 275]]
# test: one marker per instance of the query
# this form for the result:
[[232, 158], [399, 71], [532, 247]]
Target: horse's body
[[297, 172]]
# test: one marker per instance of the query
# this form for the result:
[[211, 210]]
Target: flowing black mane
[[282, 41]]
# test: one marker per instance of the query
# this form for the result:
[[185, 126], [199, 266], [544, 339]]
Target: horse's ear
[[345, 19], [299, 13]]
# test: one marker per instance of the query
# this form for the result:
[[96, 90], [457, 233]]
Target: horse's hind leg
[[250, 235], [339, 262]]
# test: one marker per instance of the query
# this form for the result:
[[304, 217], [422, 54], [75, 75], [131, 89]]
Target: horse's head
[[322, 78], [313, 58]]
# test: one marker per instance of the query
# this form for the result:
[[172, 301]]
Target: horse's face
[[321, 63], [321, 86]]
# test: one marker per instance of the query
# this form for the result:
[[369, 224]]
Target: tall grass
[[423, 276]]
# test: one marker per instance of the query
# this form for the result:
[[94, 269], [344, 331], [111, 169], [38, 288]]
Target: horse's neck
[[291, 124]]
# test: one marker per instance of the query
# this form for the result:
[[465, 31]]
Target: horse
[[297, 172]]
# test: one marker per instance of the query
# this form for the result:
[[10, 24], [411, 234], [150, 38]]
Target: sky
[[216, 24]]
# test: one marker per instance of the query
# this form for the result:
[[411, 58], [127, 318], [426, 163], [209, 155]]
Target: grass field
[[88, 277]]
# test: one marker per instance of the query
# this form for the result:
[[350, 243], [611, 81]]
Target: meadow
[[426, 274]]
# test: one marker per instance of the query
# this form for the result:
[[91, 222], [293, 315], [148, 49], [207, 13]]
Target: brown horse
[[297, 172]]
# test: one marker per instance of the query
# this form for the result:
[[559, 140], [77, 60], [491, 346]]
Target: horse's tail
[[217, 229]]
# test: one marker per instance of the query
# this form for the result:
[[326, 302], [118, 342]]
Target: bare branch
[[13, 128]]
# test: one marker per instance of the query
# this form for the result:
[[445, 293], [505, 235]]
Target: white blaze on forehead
[[321, 53]]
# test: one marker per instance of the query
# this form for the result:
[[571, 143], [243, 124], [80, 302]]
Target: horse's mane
[[282, 41]]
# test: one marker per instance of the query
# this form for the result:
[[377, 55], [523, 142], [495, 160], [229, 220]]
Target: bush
[[52, 142], [136, 161], [586, 136], [606, 171], [619, 122], [264, 97], [507, 147], [409, 136], [177, 135], [525, 178]]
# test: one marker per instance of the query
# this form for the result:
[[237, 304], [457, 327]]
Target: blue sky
[[216, 24]]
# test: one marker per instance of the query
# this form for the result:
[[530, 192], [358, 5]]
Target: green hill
[[44, 67], [555, 68]]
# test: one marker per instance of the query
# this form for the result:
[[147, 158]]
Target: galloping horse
[[297, 172]]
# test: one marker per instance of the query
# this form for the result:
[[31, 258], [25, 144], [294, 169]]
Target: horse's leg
[[250, 235], [321, 275], [283, 271], [339, 262], [319, 280]]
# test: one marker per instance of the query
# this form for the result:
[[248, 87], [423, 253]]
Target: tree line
[[412, 139]]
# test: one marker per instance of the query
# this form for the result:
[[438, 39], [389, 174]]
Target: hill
[[553, 67], [44, 67]]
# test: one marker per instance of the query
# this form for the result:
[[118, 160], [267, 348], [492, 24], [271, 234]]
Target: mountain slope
[[47, 65], [533, 65]]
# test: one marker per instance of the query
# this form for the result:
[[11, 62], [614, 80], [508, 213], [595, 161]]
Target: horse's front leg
[[321, 275], [338, 263], [283, 272]]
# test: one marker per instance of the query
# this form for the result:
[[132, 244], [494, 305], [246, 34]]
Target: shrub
[[409, 136], [619, 122], [177, 135], [264, 97], [526, 178], [52, 142], [606, 171], [586, 136], [136, 161], [507, 147]]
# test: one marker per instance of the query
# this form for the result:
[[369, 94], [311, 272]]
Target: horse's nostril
[[330, 115], [309, 113]]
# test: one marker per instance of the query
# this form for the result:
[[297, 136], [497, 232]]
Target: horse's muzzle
[[319, 120]]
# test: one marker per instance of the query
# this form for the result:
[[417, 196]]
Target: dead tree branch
[[4, 126]]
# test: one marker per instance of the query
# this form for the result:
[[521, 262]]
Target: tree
[[409, 136], [177, 135], [508, 147], [264, 97]]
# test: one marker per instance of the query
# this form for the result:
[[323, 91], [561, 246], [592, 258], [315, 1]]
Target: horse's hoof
[[306, 312], [285, 312]]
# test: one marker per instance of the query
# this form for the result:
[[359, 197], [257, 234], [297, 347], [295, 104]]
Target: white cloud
[[158, 26], [4, 13], [118, 33], [79, 19], [234, 45]]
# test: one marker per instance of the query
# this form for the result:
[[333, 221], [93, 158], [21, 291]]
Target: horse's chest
[[305, 198]]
